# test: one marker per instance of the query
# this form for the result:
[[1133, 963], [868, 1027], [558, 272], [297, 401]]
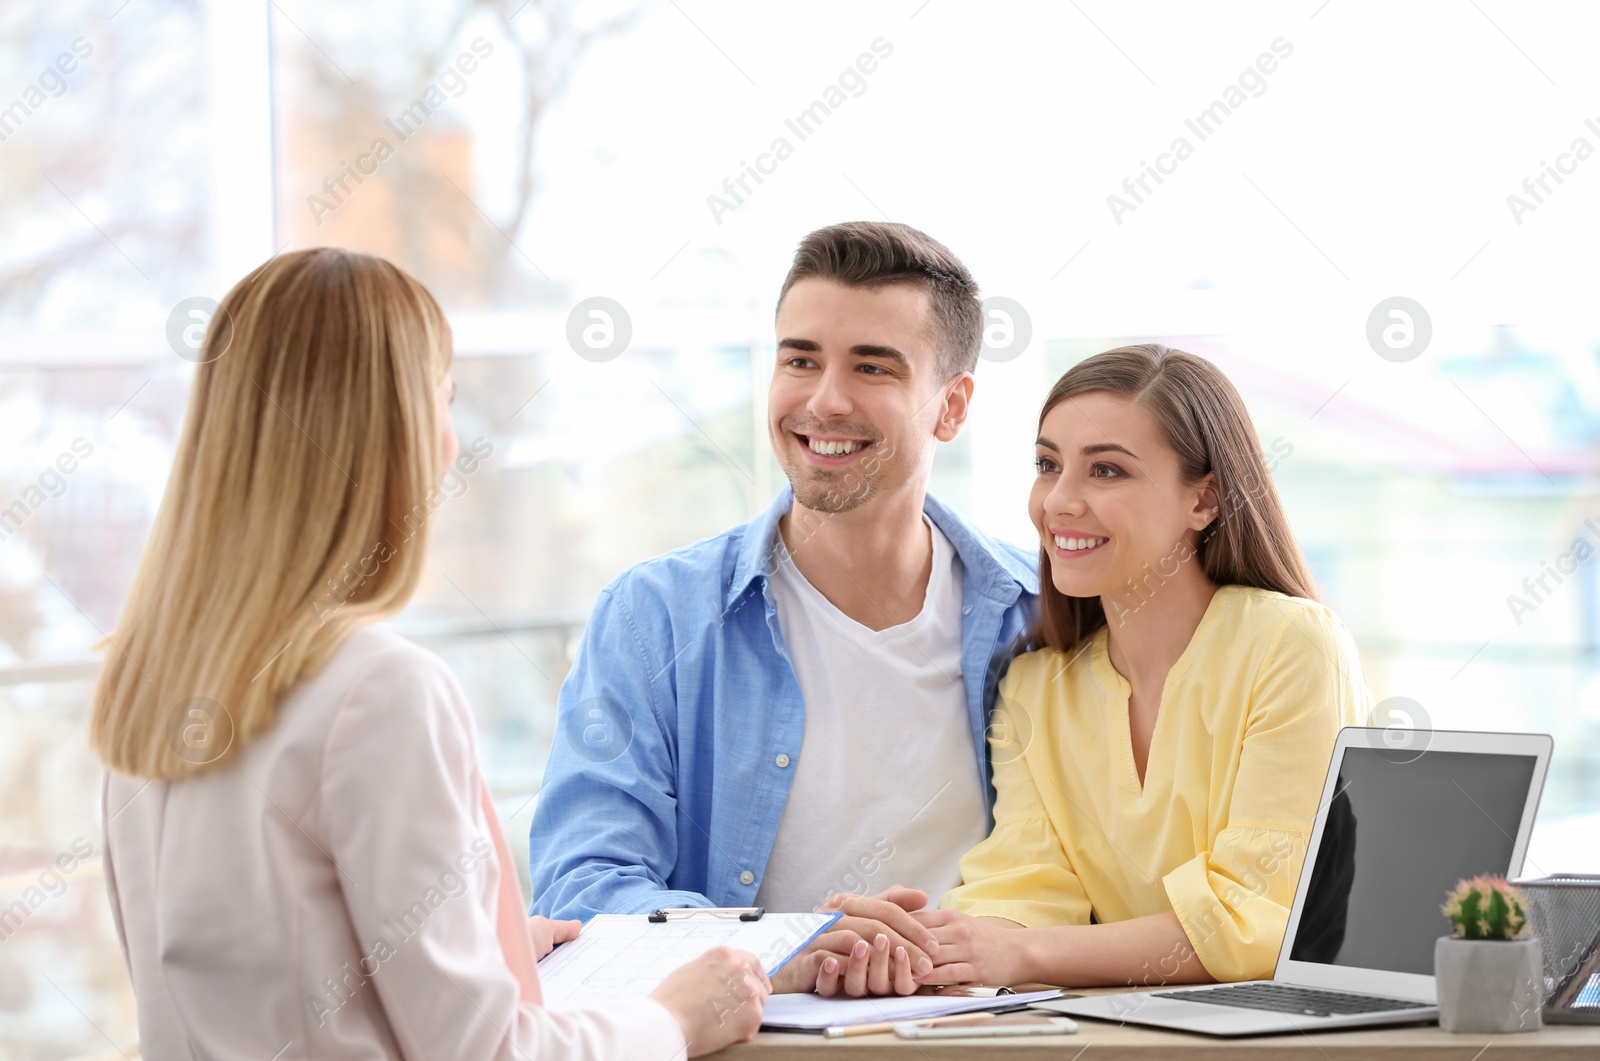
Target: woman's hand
[[889, 951], [876, 948], [546, 933], [716, 999], [879, 965], [975, 950], [870, 969]]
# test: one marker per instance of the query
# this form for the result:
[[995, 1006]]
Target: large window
[[640, 172]]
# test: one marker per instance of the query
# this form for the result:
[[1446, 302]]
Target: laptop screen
[[1401, 830]]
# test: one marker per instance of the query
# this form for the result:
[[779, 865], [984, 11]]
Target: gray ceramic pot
[[1489, 986]]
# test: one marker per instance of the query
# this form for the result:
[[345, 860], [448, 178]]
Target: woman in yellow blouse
[[1159, 755]]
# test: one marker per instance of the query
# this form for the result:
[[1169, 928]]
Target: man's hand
[[974, 950], [546, 933], [908, 899]]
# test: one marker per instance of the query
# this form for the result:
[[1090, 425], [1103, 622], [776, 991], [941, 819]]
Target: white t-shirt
[[886, 787]]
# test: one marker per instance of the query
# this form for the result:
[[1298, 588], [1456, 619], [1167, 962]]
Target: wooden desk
[[1566, 1042]]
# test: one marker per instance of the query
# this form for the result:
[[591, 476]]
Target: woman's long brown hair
[[1205, 423]]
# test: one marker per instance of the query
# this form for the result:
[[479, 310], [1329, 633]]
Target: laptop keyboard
[[1285, 998]]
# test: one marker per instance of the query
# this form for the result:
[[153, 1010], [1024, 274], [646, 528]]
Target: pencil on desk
[[963, 991], [888, 1026]]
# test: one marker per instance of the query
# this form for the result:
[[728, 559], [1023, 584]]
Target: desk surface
[[1131, 1043]]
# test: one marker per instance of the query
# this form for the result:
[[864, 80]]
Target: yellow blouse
[[1218, 831]]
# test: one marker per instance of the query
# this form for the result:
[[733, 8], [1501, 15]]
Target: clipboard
[[628, 955]]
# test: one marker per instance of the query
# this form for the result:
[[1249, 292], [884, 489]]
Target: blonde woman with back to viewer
[[301, 854]]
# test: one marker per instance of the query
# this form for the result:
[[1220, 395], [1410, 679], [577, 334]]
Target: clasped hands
[[884, 944], [890, 944]]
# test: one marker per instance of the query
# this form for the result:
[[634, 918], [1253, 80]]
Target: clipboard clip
[[743, 913]]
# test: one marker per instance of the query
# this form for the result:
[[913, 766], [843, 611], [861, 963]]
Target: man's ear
[[1207, 502], [957, 403]]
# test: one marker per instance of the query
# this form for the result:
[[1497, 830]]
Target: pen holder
[[1564, 913]]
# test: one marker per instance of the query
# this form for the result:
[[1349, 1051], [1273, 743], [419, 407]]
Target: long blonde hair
[[1205, 422], [311, 436]]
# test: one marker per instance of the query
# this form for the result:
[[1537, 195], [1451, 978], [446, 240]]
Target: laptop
[[1404, 815]]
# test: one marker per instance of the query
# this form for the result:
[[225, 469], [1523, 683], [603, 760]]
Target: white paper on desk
[[625, 956], [812, 1012]]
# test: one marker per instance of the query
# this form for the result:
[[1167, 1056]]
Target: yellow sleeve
[[1021, 871], [1233, 901]]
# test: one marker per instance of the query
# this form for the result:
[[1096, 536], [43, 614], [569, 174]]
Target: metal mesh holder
[[1564, 913]]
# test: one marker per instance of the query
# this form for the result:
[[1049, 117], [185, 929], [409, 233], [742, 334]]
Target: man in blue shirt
[[797, 708]]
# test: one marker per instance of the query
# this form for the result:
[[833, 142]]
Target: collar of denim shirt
[[1000, 573]]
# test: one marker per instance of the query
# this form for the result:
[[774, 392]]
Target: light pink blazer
[[334, 894]]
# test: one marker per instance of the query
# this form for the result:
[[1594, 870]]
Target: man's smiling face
[[855, 403]]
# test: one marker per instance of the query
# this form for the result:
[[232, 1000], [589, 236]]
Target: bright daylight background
[[577, 159]]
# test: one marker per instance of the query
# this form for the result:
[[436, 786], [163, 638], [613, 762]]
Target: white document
[[627, 956], [812, 1012]]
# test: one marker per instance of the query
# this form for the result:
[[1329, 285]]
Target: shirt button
[[967, 610], [782, 760], [747, 877]]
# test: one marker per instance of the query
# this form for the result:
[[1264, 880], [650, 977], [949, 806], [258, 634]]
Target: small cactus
[[1486, 908]]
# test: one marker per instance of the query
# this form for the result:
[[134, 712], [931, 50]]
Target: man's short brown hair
[[877, 253]]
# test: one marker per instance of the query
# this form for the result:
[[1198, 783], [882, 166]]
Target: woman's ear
[[1207, 502]]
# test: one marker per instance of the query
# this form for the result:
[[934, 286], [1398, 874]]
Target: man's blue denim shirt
[[663, 786]]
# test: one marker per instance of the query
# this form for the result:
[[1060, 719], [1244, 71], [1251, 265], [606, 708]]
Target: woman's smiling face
[[1110, 496]]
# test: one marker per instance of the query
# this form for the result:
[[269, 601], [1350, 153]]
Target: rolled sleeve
[[1234, 899], [1234, 902]]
